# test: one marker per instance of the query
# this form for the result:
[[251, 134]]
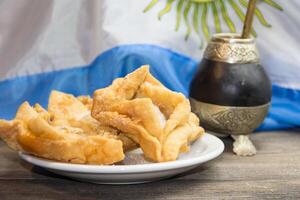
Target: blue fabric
[[172, 69]]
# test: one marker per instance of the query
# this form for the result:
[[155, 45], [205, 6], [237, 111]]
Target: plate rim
[[138, 168]]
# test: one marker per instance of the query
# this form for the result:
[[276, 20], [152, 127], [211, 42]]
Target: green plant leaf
[[226, 17], [166, 9], [258, 14], [196, 23], [240, 14], [216, 17], [273, 4], [202, 1], [178, 14], [218, 8], [204, 26], [186, 20], [150, 5], [195, 18]]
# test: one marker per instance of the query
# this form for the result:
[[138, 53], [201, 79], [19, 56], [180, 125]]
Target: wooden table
[[273, 173]]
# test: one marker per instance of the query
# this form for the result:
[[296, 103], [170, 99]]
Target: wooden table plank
[[274, 173]]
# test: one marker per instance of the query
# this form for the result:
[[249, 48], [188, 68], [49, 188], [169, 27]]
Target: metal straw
[[249, 19]]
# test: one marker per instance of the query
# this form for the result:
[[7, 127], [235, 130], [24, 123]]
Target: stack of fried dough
[[134, 111]]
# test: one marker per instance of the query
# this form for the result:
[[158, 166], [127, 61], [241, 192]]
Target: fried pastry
[[9, 131], [87, 101], [67, 110], [158, 119], [32, 133]]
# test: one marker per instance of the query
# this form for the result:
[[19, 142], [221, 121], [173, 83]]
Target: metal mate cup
[[230, 92]]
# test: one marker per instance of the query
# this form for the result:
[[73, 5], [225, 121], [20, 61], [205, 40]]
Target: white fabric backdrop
[[38, 36]]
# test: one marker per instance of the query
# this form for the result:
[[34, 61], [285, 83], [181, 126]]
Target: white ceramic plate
[[135, 169]]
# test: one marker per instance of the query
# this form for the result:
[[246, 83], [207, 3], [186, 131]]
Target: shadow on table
[[60, 187]]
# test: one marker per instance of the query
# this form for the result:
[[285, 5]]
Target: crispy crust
[[135, 110], [87, 101], [9, 131], [67, 110], [134, 105], [32, 133]]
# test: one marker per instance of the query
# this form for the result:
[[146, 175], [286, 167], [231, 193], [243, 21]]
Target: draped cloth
[[77, 46]]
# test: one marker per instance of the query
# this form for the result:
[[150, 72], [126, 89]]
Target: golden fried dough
[[87, 101], [158, 119], [42, 112], [67, 110], [31, 133], [9, 131], [136, 110]]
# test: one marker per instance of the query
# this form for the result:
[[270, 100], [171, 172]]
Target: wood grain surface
[[274, 173]]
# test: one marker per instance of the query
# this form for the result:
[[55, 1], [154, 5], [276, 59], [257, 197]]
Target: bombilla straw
[[249, 19]]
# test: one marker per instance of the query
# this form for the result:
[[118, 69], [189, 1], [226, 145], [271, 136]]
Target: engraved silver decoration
[[229, 119], [230, 48]]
